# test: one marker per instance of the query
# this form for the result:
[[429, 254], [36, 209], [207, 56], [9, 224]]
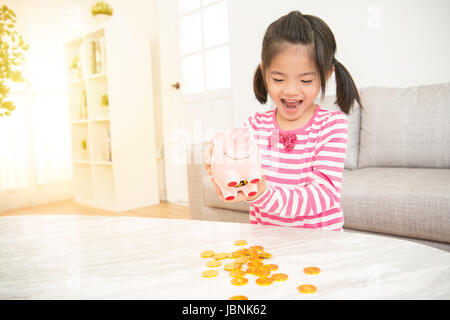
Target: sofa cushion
[[405, 127], [353, 119], [410, 202]]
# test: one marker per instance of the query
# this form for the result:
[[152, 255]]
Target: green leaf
[[12, 47]]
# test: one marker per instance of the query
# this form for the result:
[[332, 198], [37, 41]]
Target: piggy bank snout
[[231, 178]]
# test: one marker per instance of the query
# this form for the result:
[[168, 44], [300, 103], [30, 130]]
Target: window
[[35, 165], [204, 45]]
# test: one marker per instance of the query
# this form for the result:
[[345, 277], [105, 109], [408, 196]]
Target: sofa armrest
[[195, 174]]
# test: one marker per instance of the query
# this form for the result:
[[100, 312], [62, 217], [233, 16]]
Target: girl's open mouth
[[291, 106]]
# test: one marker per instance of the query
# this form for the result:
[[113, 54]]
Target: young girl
[[302, 146]]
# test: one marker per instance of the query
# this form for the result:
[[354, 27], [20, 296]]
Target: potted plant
[[12, 48], [101, 11]]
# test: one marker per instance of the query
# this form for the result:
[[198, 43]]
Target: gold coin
[[264, 281], [258, 248], [267, 267], [254, 258], [207, 254], [213, 263], [240, 242], [311, 270], [240, 253], [255, 263], [209, 273], [239, 281], [273, 267], [263, 271], [279, 277], [307, 288], [253, 251], [244, 251], [232, 266], [238, 273], [252, 270], [243, 259], [238, 298], [230, 255], [220, 256], [237, 254], [264, 254]]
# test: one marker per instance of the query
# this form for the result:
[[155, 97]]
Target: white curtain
[[35, 148]]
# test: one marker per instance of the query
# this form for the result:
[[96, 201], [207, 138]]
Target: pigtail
[[346, 91], [259, 86]]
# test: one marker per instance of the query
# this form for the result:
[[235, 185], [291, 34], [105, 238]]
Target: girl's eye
[[281, 80]]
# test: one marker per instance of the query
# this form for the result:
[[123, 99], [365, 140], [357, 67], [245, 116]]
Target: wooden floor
[[162, 210]]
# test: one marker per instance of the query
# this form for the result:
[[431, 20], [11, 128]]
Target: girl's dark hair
[[313, 33]]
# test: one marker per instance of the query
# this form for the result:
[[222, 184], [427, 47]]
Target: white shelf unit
[[113, 149]]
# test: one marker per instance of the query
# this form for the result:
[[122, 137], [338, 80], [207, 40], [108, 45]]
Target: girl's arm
[[322, 190]]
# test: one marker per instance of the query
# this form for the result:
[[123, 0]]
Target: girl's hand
[[262, 186], [207, 154]]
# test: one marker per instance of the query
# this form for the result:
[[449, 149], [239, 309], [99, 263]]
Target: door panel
[[195, 52]]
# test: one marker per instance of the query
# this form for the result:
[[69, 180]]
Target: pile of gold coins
[[250, 261]]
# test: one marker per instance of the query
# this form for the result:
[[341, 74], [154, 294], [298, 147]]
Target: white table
[[85, 257]]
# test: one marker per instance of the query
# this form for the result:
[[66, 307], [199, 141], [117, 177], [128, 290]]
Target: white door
[[195, 82]]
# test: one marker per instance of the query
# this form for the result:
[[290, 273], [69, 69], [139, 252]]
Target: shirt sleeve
[[322, 190]]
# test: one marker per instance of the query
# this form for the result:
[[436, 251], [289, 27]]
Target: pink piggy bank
[[236, 163]]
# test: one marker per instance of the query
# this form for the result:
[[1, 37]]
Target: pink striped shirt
[[304, 185]]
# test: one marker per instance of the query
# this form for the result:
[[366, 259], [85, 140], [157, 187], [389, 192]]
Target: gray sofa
[[397, 169]]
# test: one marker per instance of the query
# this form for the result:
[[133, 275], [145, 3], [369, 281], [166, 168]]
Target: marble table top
[[87, 257]]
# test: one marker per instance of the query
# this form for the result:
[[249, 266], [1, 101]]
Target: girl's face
[[293, 84]]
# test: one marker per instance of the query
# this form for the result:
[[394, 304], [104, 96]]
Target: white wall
[[397, 43]]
